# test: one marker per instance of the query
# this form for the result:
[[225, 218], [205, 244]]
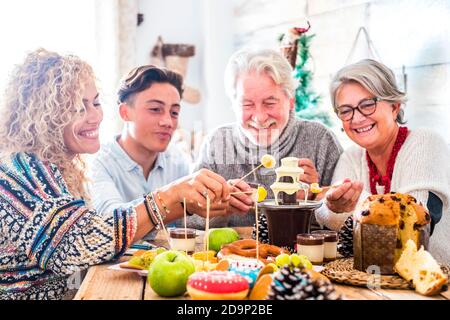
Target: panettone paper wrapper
[[374, 246]]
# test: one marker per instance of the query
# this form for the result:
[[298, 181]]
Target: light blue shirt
[[118, 181]]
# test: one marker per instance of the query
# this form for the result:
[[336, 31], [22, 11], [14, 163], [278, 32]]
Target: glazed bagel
[[217, 285], [247, 248]]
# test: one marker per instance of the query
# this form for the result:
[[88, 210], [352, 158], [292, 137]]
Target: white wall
[[219, 37], [207, 25], [177, 22], [26, 25]]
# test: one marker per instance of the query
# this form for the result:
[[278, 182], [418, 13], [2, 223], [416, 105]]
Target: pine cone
[[285, 280], [345, 243], [316, 290], [262, 228], [296, 284], [291, 250]]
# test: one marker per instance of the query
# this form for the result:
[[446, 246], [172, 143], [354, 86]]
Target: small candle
[[182, 239], [330, 244], [312, 246]]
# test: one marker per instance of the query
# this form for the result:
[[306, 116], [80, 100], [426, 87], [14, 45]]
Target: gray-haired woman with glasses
[[387, 157]]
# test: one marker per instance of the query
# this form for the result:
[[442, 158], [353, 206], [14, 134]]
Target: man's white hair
[[267, 61]]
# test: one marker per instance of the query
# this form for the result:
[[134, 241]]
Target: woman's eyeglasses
[[366, 107]]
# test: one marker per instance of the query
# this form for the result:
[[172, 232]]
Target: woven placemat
[[342, 271]]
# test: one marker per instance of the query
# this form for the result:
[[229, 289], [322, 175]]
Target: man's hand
[[239, 203], [309, 176]]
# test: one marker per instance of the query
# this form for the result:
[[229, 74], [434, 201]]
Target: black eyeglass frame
[[374, 99]]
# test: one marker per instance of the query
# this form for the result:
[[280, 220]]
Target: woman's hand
[[196, 187], [344, 197], [309, 176]]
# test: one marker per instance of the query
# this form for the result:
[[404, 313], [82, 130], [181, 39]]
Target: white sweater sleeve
[[330, 219], [423, 165]]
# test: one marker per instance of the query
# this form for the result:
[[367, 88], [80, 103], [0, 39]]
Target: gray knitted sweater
[[228, 152]]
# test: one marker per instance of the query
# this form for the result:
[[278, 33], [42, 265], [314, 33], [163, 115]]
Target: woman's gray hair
[[375, 77], [267, 61]]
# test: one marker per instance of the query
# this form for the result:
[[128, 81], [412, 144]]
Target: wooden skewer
[[323, 189], [257, 231], [185, 222], [241, 192], [207, 228], [164, 229], [256, 168]]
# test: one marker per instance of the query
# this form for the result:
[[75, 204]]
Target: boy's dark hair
[[142, 78]]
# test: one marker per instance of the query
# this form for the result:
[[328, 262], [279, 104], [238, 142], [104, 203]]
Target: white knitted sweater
[[422, 165]]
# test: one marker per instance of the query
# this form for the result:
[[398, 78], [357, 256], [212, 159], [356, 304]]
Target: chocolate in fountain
[[286, 198], [287, 216], [286, 221]]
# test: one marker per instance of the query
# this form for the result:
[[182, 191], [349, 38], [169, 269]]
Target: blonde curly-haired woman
[[50, 117]]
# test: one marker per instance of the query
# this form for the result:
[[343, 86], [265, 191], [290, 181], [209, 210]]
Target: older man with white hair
[[261, 87]]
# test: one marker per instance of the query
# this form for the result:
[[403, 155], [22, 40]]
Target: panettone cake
[[382, 227], [420, 267]]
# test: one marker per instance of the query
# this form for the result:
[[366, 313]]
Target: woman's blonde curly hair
[[44, 95]]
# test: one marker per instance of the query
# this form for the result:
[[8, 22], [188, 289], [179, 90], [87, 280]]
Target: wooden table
[[103, 284]]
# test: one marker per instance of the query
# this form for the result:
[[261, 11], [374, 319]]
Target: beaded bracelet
[[154, 207], [149, 212], [162, 203]]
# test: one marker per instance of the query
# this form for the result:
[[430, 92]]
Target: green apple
[[169, 272], [221, 236], [160, 250]]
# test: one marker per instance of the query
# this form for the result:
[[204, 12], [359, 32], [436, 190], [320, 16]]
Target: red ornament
[[302, 30], [385, 181]]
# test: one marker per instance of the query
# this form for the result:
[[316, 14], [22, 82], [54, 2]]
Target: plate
[[310, 204], [144, 273], [117, 267]]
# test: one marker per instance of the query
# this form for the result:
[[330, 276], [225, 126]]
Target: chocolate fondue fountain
[[287, 216]]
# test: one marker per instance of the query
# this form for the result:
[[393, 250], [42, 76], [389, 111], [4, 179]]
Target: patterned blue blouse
[[46, 234]]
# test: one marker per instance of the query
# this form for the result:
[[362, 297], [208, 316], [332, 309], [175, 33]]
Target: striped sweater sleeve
[[68, 236], [50, 228]]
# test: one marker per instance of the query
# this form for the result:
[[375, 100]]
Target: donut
[[217, 285], [247, 248], [244, 247], [249, 270]]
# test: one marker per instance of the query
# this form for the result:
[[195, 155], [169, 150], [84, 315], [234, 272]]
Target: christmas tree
[[295, 45]]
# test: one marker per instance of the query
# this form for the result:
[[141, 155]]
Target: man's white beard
[[264, 138]]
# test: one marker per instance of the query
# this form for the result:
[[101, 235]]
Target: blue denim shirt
[[118, 181]]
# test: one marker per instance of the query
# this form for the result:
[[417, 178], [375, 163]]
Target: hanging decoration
[[175, 56]]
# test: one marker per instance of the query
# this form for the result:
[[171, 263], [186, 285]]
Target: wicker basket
[[342, 271]]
